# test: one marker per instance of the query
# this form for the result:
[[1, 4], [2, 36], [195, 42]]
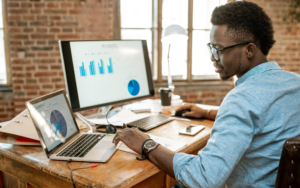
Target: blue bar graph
[[82, 70], [101, 68], [110, 67], [92, 68]]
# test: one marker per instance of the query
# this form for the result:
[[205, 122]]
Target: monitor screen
[[100, 73]]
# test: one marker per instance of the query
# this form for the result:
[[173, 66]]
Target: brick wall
[[286, 51], [6, 106], [35, 26]]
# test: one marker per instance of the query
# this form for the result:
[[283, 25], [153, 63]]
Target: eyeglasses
[[214, 51]]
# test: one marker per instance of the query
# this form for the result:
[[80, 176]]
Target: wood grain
[[30, 164]]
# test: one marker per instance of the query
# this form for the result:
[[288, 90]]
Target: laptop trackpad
[[105, 145]]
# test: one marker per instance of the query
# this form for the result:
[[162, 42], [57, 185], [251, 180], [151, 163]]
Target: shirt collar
[[257, 70]]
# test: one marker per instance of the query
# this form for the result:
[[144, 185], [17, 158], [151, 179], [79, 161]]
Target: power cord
[[92, 166]]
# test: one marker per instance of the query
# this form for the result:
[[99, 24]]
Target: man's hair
[[246, 22]]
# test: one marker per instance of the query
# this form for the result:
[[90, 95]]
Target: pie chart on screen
[[133, 87], [58, 123]]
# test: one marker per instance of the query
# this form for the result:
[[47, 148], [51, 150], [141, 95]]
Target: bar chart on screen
[[101, 68], [82, 70], [92, 68], [110, 66]]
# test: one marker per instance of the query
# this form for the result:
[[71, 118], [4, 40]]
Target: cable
[[110, 129], [92, 166]]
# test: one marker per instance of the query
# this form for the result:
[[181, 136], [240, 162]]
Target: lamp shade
[[173, 33]]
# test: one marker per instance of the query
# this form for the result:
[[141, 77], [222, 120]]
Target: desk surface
[[30, 164]]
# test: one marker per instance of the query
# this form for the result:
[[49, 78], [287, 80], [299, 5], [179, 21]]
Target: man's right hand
[[196, 112]]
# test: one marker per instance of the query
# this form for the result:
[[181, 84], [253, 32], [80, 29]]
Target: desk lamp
[[170, 35]]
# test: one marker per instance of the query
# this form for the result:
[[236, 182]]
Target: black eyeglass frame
[[227, 47]]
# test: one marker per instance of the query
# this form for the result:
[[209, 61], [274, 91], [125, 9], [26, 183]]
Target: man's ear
[[250, 50]]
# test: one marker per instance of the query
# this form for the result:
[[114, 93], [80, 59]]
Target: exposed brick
[[45, 48], [54, 30], [31, 87], [66, 24], [15, 30], [68, 36], [13, 4], [45, 73], [55, 11], [12, 42], [66, 5], [14, 17], [17, 23], [40, 54], [44, 80], [35, 11], [17, 11], [42, 17], [26, 5], [28, 30], [52, 5], [55, 17], [39, 5], [67, 30]]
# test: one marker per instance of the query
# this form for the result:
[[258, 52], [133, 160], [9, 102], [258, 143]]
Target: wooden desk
[[28, 166]]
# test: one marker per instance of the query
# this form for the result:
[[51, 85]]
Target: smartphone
[[192, 129]]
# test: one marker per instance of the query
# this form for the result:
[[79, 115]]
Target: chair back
[[288, 175]]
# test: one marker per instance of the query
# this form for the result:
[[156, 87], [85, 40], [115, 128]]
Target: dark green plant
[[294, 12]]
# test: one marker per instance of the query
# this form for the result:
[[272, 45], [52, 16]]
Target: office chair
[[289, 165]]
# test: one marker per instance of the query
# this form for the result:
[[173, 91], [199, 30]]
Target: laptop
[[59, 133]]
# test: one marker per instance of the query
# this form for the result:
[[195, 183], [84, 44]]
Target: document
[[172, 145], [123, 116]]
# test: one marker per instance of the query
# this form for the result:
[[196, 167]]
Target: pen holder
[[165, 96]]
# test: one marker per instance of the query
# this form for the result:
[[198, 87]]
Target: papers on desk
[[172, 145], [123, 116], [19, 131]]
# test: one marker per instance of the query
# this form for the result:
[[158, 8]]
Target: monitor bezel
[[30, 104], [71, 85]]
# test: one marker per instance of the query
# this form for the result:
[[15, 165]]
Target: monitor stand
[[104, 110]]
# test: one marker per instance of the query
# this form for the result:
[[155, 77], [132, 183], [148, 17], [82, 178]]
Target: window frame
[[6, 46], [157, 53]]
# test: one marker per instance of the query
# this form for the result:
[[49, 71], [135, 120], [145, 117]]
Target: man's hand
[[132, 138], [196, 112]]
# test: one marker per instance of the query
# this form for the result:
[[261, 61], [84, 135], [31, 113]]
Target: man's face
[[230, 61]]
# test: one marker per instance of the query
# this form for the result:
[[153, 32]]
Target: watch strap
[[143, 154]]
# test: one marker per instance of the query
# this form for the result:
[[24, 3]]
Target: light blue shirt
[[252, 124]]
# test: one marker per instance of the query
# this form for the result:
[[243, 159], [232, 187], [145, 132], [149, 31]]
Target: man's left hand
[[132, 138]]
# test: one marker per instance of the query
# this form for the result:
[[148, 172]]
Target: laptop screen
[[54, 120]]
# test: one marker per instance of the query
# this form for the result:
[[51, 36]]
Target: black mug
[[165, 96]]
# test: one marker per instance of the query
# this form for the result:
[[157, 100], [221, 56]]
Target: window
[[3, 64], [189, 60]]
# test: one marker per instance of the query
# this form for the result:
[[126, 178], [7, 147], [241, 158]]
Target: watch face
[[150, 144]]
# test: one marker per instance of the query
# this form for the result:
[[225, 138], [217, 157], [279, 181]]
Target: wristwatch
[[149, 146]]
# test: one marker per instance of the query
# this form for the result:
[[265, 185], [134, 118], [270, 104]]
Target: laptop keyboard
[[150, 122], [81, 146]]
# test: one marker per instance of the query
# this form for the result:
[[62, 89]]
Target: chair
[[288, 175]]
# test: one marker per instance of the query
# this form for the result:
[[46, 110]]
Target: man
[[254, 119]]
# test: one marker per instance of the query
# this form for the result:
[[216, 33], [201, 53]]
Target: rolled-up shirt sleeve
[[230, 138]]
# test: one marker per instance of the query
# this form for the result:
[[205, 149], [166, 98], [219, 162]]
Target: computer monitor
[[105, 72]]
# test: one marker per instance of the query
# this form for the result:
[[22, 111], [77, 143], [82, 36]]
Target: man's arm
[[197, 112], [134, 139]]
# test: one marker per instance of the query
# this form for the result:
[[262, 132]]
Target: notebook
[[59, 133]]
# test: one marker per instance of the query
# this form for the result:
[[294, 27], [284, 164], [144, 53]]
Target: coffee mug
[[165, 96]]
